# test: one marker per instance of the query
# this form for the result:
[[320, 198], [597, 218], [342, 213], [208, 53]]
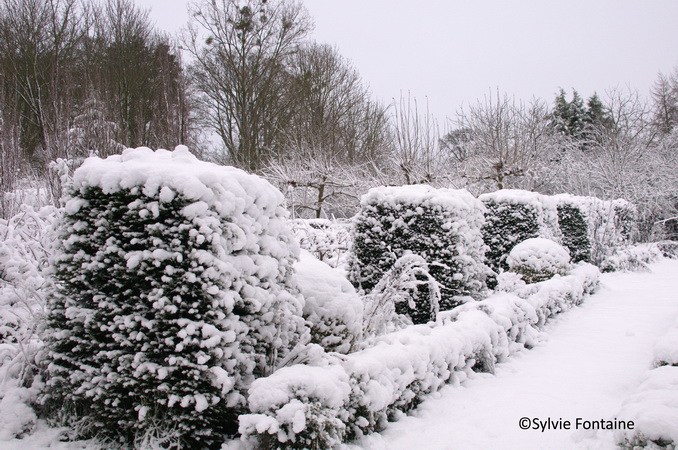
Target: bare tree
[[332, 115], [505, 143], [416, 155], [239, 71]]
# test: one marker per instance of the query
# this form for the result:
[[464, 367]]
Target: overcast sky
[[453, 52]]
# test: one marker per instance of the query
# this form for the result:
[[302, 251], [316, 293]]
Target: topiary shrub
[[538, 259], [574, 228], [440, 225], [172, 292], [514, 216]]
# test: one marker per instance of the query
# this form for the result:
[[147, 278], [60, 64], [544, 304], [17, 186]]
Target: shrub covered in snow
[[669, 249], [173, 291], [327, 240], [514, 216], [574, 227], [331, 304], [343, 398], [538, 259], [406, 294], [25, 247], [633, 258], [440, 225]]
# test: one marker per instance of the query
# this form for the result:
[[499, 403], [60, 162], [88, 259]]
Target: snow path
[[591, 360]]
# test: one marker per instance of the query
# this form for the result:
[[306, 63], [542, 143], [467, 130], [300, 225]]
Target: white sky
[[453, 52]]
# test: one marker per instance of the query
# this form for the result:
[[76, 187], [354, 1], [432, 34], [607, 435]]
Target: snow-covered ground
[[592, 358]]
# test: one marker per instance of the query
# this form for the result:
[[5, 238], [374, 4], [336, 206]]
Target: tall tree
[[240, 70]]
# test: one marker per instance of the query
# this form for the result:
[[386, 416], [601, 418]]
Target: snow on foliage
[[327, 240], [633, 258], [440, 225], [538, 259], [293, 409], [572, 221], [173, 292], [514, 216], [25, 241], [331, 304], [609, 225]]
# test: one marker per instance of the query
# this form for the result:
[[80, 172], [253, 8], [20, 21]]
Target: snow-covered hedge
[[538, 259], [339, 399], [331, 304], [440, 225], [514, 216], [572, 221], [173, 292], [653, 407]]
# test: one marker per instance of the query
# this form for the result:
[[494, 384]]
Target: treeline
[[254, 91]]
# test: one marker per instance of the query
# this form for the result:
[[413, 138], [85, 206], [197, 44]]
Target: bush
[[440, 225], [574, 228], [172, 280], [634, 258], [538, 259], [669, 249], [331, 305], [514, 216]]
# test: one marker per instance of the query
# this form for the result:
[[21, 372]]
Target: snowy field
[[592, 358]]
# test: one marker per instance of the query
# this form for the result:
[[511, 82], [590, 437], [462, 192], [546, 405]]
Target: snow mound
[[538, 259]]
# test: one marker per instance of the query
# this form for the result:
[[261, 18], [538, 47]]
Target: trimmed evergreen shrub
[[538, 260], [574, 228], [514, 216], [171, 294], [440, 225]]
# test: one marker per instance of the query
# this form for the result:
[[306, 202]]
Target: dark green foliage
[[384, 232], [574, 227], [121, 351], [507, 224]]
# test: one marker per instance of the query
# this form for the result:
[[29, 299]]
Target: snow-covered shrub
[[634, 258], [669, 249], [327, 240], [573, 225], [173, 291], [25, 247], [440, 225], [538, 259], [514, 216], [625, 220], [348, 397], [331, 304], [406, 294]]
